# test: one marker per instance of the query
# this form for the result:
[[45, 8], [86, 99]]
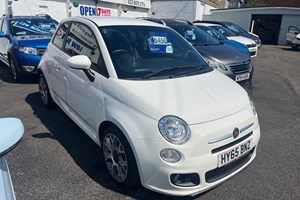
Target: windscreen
[[21, 27], [147, 52], [195, 35], [224, 31], [212, 32], [235, 28]]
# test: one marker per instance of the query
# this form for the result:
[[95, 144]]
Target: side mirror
[[12, 130], [2, 34], [81, 62]]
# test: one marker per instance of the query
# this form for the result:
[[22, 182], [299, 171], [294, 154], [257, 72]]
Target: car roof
[[29, 17], [116, 21], [206, 24]]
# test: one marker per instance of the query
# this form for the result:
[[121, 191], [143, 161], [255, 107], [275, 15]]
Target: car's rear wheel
[[44, 91], [15, 72], [119, 158]]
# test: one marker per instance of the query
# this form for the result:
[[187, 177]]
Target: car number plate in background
[[242, 77], [234, 153]]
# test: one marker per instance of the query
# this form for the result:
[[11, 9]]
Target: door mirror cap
[[81, 62], [2, 34], [12, 130]]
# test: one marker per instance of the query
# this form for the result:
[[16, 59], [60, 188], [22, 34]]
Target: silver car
[[11, 132]]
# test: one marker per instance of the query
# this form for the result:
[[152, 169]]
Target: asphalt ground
[[56, 160]]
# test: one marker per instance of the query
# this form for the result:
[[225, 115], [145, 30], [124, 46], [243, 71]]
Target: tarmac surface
[[57, 160]]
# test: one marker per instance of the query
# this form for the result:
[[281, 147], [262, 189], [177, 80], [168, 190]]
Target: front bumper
[[24, 60], [196, 155]]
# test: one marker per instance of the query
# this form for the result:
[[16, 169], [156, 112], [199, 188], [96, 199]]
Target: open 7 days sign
[[85, 10]]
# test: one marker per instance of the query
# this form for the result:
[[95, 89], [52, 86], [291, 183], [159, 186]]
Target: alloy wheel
[[115, 157]]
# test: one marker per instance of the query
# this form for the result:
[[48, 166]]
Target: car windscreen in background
[[32, 27]]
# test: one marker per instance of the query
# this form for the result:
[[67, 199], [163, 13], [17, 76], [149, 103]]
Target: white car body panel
[[211, 103], [181, 97], [11, 132]]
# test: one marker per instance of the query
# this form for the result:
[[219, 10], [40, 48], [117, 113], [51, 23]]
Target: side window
[[82, 41], [1, 22], [4, 27], [293, 29], [60, 34]]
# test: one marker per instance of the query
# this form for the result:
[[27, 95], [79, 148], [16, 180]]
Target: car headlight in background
[[28, 50], [215, 64], [174, 129]]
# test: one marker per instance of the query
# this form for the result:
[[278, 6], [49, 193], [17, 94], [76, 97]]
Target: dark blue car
[[23, 40], [223, 39]]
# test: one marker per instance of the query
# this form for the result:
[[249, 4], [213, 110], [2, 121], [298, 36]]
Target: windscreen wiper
[[195, 69], [156, 72]]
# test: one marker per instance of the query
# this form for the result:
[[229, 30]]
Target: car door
[[84, 96], [57, 65], [4, 42], [292, 33]]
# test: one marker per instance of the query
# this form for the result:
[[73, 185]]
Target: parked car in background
[[237, 30], [11, 132], [223, 39], [232, 36], [296, 42], [133, 85], [226, 59], [23, 40], [293, 37], [291, 34]]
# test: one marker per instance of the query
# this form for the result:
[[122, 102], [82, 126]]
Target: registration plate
[[234, 153], [242, 77]]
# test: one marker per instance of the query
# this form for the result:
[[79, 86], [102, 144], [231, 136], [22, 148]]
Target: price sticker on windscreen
[[159, 43]]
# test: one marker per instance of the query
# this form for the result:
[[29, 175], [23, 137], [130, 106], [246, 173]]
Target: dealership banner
[[136, 3]]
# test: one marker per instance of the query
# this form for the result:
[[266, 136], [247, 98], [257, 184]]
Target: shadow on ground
[[82, 149], [6, 75]]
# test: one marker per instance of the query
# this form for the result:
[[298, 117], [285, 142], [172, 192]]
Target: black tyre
[[119, 158], [15, 71], [295, 47], [44, 91]]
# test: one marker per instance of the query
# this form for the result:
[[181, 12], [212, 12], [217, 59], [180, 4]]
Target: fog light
[[28, 68], [170, 155], [185, 180]]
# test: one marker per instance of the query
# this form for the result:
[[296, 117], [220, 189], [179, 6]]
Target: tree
[[254, 3]]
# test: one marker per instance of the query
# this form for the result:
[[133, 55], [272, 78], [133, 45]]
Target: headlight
[[252, 106], [28, 50], [174, 129], [215, 64]]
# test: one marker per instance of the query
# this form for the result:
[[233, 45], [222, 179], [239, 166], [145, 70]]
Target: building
[[60, 9], [270, 23], [190, 9]]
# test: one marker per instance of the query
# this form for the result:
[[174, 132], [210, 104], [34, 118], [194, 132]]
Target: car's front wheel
[[119, 158], [44, 91], [15, 72], [295, 47]]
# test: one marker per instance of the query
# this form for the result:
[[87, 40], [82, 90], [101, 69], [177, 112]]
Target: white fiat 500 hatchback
[[161, 116]]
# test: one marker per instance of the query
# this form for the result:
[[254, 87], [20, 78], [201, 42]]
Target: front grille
[[251, 45], [227, 146], [41, 52], [241, 68], [219, 173]]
